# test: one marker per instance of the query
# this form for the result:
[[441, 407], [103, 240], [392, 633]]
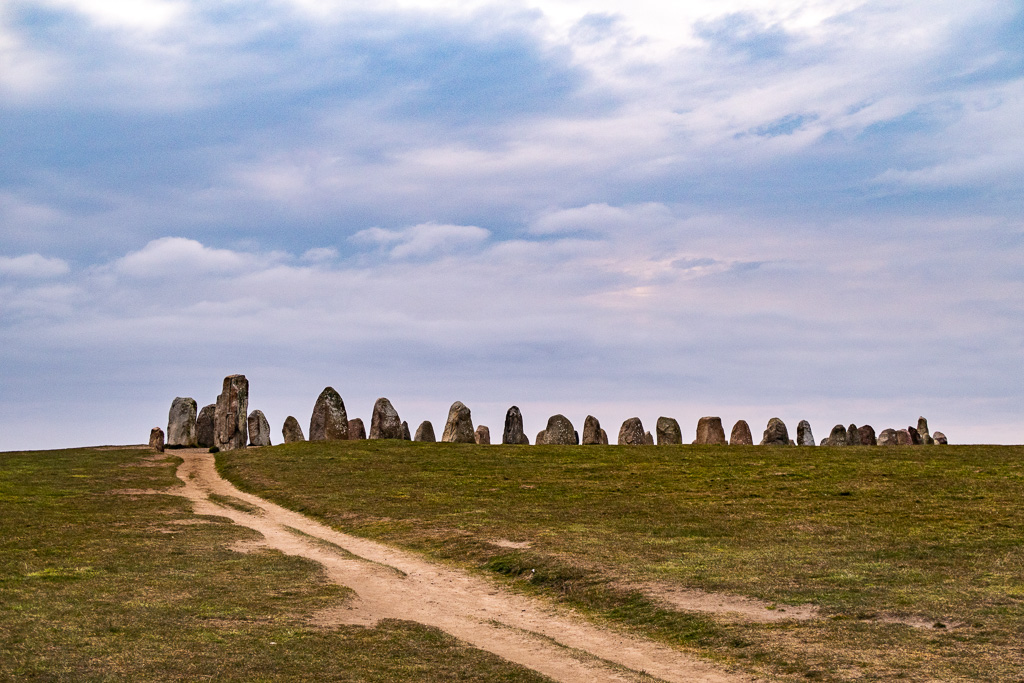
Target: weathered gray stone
[[903, 438], [181, 423], [852, 437], [915, 438], [631, 433], [576, 434], [259, 429], [591, 431], [540, 438], [292, 430], [559, 432], [837, 437], [513, 433], [922, 430], [604, 438], [204, 426], [356, 429], [329, 421], [741, 435], [776, 433], [648, 439], [887, 437], [425, 432], [406, 436], [156, 439], [385, 423], [866, 435], [804, 437], [482, 435], [710, 431], [940, 439], [459, 427], [230, 421], [668, 431]]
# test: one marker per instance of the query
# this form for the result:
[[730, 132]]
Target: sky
[[809, 209]]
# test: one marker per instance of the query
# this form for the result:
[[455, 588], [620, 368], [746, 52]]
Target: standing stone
[[482, 435], [204, 426], [915, 437], [385, 423], [804, 437], [329, 421], [181, 423], [259, 429], [292, 431], [631, 433], [156, 439], [230, 421], [903, 438], [425, 432], [604, 438], [459, 427], [406, 436], [776, 434], [852, 437], [559, 432], [887, 438], [668, 431], [540, 438], [922, 429], [576, 436], [356, 429], [648, 439], [940, 439], [866, 435], [513, 433], [591, 431], [741, 435], [710, 431], [837, 437]]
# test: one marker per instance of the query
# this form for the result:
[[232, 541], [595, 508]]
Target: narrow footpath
[[394, 584]]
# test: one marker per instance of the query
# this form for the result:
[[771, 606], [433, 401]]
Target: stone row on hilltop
[[227, 425]]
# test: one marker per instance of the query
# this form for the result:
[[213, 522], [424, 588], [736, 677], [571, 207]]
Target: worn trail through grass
[[391, 583]]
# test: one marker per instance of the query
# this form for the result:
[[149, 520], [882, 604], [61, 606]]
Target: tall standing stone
[[852, 436], [482, 435], [559, 432], [204, 426], [668, 432], [631, 433], [156, 439], [292, 431], [425, 432], [329, 421], [513, 433], [230, 421], [804, 437], [776, 433], [838, 437], [181, 423], [356, 429], [710, 431], [459, 427], [259, 429], [922, 430], [741, 435], [406, 436], [385, 423], [591, 431], [887, 437], [866, 435]]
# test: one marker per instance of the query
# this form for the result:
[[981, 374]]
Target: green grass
[[104, 586], [930, 532]]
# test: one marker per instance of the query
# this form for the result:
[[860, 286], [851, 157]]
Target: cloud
[[33, 266], [426, 239], [180, 257]]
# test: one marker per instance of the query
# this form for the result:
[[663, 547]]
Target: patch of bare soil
[[394, 584], [736, 607], [504, 543]]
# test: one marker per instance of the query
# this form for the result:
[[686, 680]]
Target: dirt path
[[391, 583]]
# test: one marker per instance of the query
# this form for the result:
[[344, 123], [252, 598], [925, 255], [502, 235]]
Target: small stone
[[866, 435], [181, 423], [292, 430], [482, 435], [604, 438], [710, 431], [230, 421], [837, 437], [903, 438], [922, 430], [559, 432], [648, 439], [204, 426], [915, 437], [259, 429], [385, 423], [156, 439], [591, 431], [631, 433], [406, 436], [513, 432], [741, 435], [887, 438], [425, 432], [540, 438], [329, 421], [459, 427], [940, 439], [776, 434], [668, 431], [356, 429], [852, 437], [804, 437]]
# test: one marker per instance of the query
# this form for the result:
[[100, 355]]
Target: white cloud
[[180, 257], [33, 266], [425, 239]]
